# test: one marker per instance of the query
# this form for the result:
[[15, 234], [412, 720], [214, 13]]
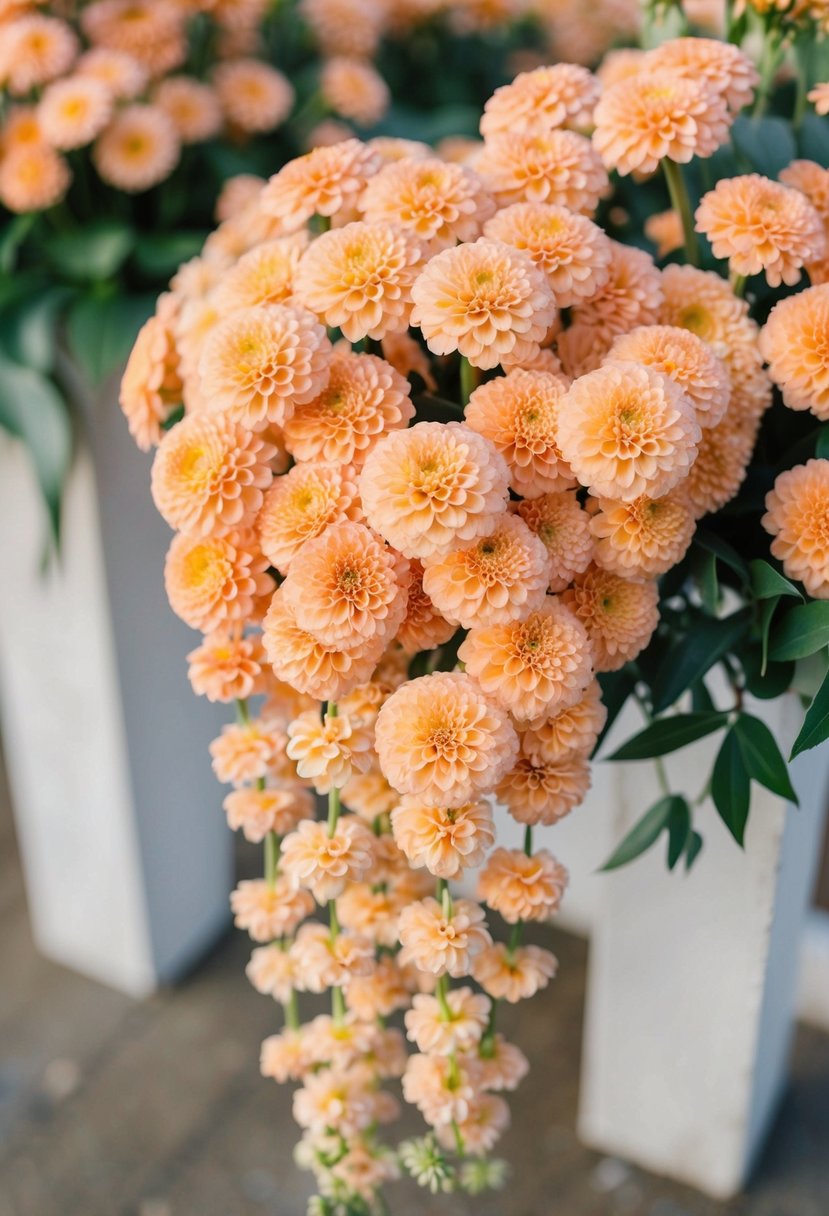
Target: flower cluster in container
[[428, 438]]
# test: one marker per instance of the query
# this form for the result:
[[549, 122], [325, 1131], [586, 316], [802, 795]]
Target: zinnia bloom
[[236, 194], [445, 841], [543, 167], [323, 182], [33, 177], [500, 578], [225, 667], [433, 487], [255, 97], [301, 504], [423, 627], [521, 887], [569, 731], [722, 65], [760, 225], [271, 972], [432, 1032], [328, 750], [563, 525], [359, 278], [151, 31], [657, 115], [73, 111], [643, 538], [258, 812], [819, 97], [563, 94], [439, 942], [572, 251], [513, 975], [268, 912], [325, 863], [686, 359], [192, 106], [441, 738], [354, 89], [363, 400], [720, 468], [246, 751], [216, 580], [795, 344], [626, 430], [619, 615], [139, 148], [209, 475], [484, 299], [439, 203], [664, 228], [151, 387], [264, 275], [518, 413], [534, 666], [36, 49], [542, 792], [259, 362], [119, 71], [797, 516]]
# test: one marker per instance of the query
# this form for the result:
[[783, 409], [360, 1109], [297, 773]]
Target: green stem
[[271, 858], [441, 991], [738, 285], [769, 63], [682, 205], [291, 1011], [337, 1005], [515, 937], [444, 897], [242, 711], [333, 810], [528, 840], [469, 380], [333, 921]]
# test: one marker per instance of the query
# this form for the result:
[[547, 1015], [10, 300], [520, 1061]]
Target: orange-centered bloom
[[139, 148], [795, 344], [73, 111], [324, 863], [760, 225], [560, 95], [347, 586], [500, 578], [216, 580], [225, 666], [531, 667], [542, 792], [322, 182], [643, 538], [659, 115], [269, 912], [513, 975], [518, 413], [486, 300], [433, 487], [626, 430], [257, 812], [724, 67], [543, 167], [445, 841], [688, 361], [33, 177], [572, 251], [431, 1031], [328, 750], [359, 278], [439, 203], [255, 97], [363, 400], [618, 614], [563, 525], [439, 941], [441, 738], [151, 387], [192, 106], [424, 627], [797, 516], [570, 731], [354, 89], [122, 74], [260, 362], [209, 475], [301, 504], [720, 468], [521, 887], [35, 49], [263, 275]]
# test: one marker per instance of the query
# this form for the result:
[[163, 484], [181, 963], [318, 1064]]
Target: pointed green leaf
[[762, 757], [771, 683], [32, 409], [768, 143], [679, 827], [815, 728], [616, 687], [27, 327], [693, 850], [91, 254], [711, 543], [704, 567], [669, 734], [696, 653], [101, 330], [643, 834], [767, 583], [731, 787], [803, 630]]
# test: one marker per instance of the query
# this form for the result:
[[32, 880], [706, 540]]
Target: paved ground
[[110, 1107]]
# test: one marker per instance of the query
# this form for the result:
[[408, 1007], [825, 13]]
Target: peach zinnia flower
[[513, 975], [119, 71], [521, 887], [571, 730], [819, 97], [216, 580], [433, 487], [268, 912], [347, 586], [35, 50], [271, 972], [323, 182], [518, 413], [626, 430], [152, 31], [686, 359], [484, 299], [139, 148], [797, 516], [542, 792], [301, 504], [563, 525], [423, 627], [354, 89], [441, 738], [259, 362], [572, 251], [543, 167], [439, 203], [723, 67], [439, 942], [325, 863], [33, 177], [643, 538], [795, 343], [263, 275], [258, 812], [619, 615], [236, 194], [664, 228], [432, 1032], [192, 106], [759, 225], [720, 468], [73, 111], [209, 475], [534, 666], [225, 667], [255, 97], [246, 751], [446, 842], [151, 387], [328, 750], [563, 94], [363, 400], [500, 578]]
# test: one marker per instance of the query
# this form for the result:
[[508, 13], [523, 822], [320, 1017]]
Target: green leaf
[[644, 833], [693, 850], [769, 683], [669, 734], [696, 653], [822, 444], [701, 699], [679, 827], [766, 582], [13, 236], [616, 687], [32, 409], [803, 630], [815, 728], [762, 758], [704, 566], [813, 138], [731, 787], [101, 330], [721, 550], [767, 611], [768, 143], [27, 327], [159, 255], [93, 254]]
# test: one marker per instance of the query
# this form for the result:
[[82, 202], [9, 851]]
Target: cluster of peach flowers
[[409, 599], [111, 83]]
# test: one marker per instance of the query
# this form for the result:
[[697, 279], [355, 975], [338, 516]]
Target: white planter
[[692, 978], [126, 854]]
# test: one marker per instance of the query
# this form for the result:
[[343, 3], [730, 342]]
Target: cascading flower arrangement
[[454, 469]]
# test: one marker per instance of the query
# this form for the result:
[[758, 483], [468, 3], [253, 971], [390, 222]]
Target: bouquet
[[455, 469]]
